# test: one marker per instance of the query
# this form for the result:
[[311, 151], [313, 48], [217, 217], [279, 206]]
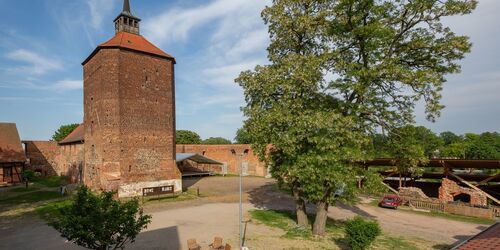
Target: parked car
[[390, 201]]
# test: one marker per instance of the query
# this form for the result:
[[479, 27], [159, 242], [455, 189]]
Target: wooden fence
[[431, 205], [454, 208], [496, 212]]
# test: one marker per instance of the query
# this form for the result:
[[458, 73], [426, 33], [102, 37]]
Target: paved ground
[[217, 214]]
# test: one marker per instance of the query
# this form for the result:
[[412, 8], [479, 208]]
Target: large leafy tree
[[187, 137], [242, 136], [339, 70], [99, 221], [216, 141], [483, 146], [407, 147], [64, 131], [449, 137]]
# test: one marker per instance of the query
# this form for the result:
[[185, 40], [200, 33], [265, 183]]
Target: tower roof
[[133, 42], [126, 11]]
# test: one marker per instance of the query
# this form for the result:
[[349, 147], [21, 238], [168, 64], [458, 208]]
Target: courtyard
[[215, 213]]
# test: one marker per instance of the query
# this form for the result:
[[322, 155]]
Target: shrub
[[28, 174], [361, 233], [97, 221]]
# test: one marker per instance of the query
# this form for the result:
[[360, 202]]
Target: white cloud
[[234, 39], [176, 24], [38, 84], [68, 85], [253, 41], [223, 76], [37, 64], [98, 10]]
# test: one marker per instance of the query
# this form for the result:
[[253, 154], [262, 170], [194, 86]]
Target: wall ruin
[[449, 189], [224, 154]]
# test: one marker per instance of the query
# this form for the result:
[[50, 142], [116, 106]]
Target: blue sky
[[43, 42]]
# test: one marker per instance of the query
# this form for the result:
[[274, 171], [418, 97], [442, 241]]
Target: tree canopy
[[447, 144], [64, 131], [99, 221], [338, 71], [216, 141], [187, 137], [243, 136]]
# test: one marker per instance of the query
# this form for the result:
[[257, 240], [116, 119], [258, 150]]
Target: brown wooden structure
[[469, 173], [12, 157]]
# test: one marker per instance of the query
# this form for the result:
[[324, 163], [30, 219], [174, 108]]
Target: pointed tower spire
[[126, 6], [126, 22]]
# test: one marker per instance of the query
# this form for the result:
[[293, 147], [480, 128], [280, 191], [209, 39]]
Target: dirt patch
[[215, 213]]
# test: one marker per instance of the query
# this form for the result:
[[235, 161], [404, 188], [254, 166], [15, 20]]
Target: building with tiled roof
[[129, 113], [76, 136], [12, 157], [489, 239]]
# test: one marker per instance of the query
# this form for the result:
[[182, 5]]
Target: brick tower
[[129, 113]]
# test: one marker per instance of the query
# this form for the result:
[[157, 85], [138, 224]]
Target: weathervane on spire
[[125, 21]]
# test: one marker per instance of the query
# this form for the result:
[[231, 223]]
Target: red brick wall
[[129, 121], [449, 189], [43, 157], [51, 159], [101, 120], [223, 154]]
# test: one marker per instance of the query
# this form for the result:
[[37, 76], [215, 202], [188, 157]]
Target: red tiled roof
[[487, 239], [76, 136], [11, 149], [131, 41]]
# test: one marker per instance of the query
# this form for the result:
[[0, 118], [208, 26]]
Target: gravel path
[[217, 215]]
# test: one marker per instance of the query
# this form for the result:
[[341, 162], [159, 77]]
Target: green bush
[[98, 221], [28, 175], [361, 233]]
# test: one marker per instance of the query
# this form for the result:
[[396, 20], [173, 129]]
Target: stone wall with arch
[[450, 189]]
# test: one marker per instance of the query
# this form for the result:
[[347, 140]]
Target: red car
[[390, 201]]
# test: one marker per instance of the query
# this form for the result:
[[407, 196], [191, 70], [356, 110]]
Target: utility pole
[[239, 158]]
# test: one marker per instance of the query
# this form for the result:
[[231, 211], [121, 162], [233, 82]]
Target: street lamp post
[[239, 156]]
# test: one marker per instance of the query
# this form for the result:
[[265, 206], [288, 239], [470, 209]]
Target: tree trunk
[[400, 180], [319, 226], [300, 209]]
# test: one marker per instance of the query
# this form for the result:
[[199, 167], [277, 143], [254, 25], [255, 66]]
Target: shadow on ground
[[356, 210], [188, 182], [163, 238], [269, 197]]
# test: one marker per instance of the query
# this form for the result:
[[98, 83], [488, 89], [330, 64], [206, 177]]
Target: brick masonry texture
[[224, 154], [49, 158], [449, 189], [129, 119]]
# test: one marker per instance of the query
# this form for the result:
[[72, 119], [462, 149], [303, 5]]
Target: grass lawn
[[52, 181], [50, 210], [19, 199], [452, 217], [30, 197], [285, 220], [24, 189]]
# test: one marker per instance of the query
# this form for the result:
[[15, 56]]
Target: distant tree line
[[443, 145], [190, 137]]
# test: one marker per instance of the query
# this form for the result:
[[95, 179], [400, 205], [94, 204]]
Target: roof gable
[[129, 41], [76, 136], [11, 149]]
